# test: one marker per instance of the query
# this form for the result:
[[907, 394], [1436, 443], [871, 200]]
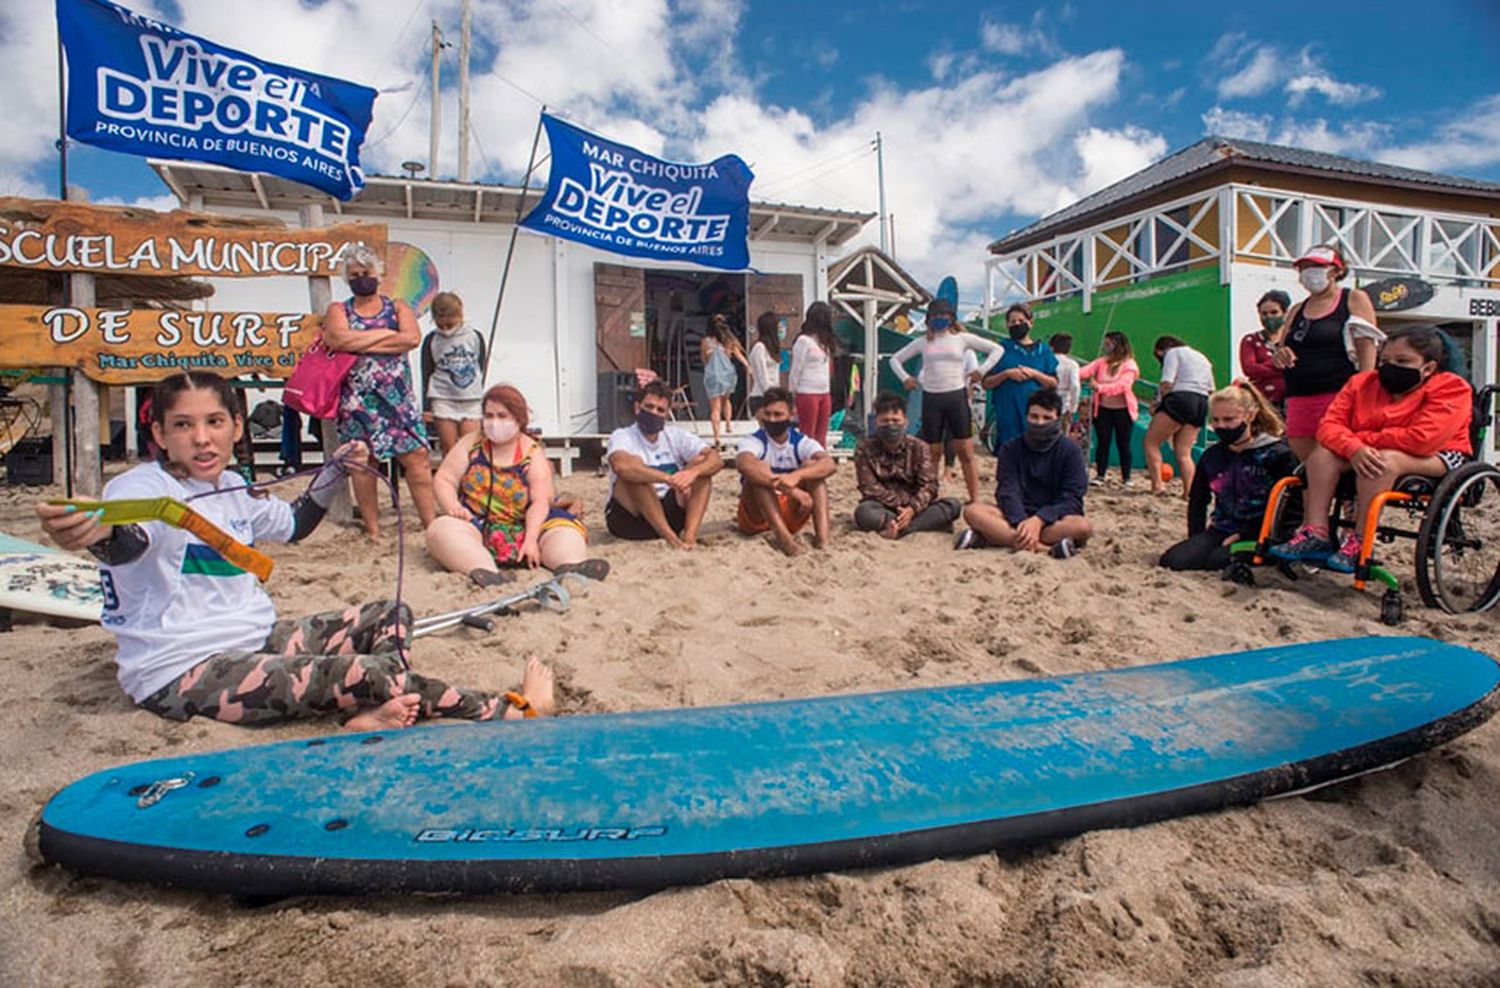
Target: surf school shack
[[1187, 246], [578, 323]]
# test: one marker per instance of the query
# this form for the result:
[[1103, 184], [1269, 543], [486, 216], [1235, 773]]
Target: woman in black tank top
[[1323, 363], [1313, 354]]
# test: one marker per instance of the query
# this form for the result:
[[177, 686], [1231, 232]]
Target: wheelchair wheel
[[1458, 545]]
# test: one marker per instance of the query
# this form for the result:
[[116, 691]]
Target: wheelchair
[[1456, 533]]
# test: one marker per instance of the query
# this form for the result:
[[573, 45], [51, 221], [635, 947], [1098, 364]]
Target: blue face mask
[[939, 323], [650, 423]]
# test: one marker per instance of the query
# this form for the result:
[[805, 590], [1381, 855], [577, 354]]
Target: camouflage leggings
[[337, 661]]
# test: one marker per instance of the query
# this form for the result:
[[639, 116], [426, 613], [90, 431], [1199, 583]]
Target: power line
[[401, 35], [783, 189], [416, 97], [843, 158], [564, 8]]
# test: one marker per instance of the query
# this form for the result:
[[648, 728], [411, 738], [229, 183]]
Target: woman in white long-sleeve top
[[945, 385]]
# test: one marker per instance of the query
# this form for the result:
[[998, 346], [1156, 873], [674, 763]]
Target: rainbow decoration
[[410, 275]]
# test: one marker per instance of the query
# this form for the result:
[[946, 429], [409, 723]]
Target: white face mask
[[1314, 280], [500, 431]]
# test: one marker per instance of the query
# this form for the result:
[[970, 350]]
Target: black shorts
[[1453, 459], [946, 415], [1185, 408], [624, 524]]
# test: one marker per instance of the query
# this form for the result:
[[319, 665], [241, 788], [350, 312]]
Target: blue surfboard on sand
[[668, 797]]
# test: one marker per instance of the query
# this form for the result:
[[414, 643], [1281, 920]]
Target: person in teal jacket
[[1027, 366]]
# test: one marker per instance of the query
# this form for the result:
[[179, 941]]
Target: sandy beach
[[1392, 879]]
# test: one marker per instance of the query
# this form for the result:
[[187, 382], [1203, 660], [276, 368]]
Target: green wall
[[1191, 305]]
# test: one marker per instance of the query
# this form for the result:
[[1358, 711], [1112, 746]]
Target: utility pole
[[437, 104], [463, 92], [880, 176]]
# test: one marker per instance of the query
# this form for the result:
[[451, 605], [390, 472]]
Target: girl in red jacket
[[1408, 416]]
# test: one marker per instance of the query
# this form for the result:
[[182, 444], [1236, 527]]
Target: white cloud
[[163, 203], [1007, 39], [1110, 155], [1256, 76], [1255, 69], [957, 154], [1237, 123], [1337, 93], [1468, 142], [976, 145], [1350, 137]]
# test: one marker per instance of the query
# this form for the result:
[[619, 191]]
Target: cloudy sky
[[992, 114]]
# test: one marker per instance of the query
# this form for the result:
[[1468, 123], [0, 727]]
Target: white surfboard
[[40, 579]]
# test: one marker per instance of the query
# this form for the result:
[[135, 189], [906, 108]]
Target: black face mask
[[777, 428], [1019, 331], [1042, 436], [891, 434], [1398, 380], [650, 423], [1231, 434], [364, 284]]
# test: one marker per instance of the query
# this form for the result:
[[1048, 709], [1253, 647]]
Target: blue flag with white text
[[142, 87], [618, 199]]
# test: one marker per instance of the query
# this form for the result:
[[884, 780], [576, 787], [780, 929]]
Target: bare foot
[[537, 688], [889, 532], [397, 712], [820, 541]]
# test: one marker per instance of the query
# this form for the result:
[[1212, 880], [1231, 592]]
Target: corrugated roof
[[1217, 152]]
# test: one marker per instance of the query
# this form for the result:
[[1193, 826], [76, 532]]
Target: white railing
[[1278, 225]]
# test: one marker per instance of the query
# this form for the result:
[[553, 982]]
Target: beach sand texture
[[1392, 879]]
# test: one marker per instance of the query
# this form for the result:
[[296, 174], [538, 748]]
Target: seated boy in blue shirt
[[1040, 482]]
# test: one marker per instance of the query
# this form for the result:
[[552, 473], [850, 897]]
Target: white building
[[571, 312]]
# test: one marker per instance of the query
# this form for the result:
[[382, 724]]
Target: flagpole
[[510, 252], [62, 123]]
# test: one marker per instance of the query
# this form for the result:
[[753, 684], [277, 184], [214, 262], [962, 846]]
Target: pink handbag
[[318, 380]]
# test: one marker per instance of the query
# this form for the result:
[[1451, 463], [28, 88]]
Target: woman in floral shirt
[[378, 405]]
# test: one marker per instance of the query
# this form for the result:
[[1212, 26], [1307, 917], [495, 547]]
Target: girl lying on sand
[[199, 637]]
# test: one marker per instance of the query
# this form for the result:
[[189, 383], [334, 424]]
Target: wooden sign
[[139, 346], [49, 235], [1396, 294]]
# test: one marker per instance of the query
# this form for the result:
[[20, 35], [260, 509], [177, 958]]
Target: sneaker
[[1064, 549], [1347, 558], [969, 539], [1305, 546]]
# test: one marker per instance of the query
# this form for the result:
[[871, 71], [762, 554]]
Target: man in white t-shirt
[[660, 476], [783, 477]]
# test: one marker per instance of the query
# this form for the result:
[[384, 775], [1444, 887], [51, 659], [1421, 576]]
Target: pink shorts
[[1304, 412]]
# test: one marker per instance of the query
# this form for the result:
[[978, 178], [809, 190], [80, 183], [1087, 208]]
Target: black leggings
[[1204, 551], [1114, 422]]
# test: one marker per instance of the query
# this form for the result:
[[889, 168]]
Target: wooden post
[[320, 295], [57, 403], [88, 469]]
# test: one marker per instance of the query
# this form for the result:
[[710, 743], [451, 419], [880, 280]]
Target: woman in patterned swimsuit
[[378, 405], [495, 489]]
